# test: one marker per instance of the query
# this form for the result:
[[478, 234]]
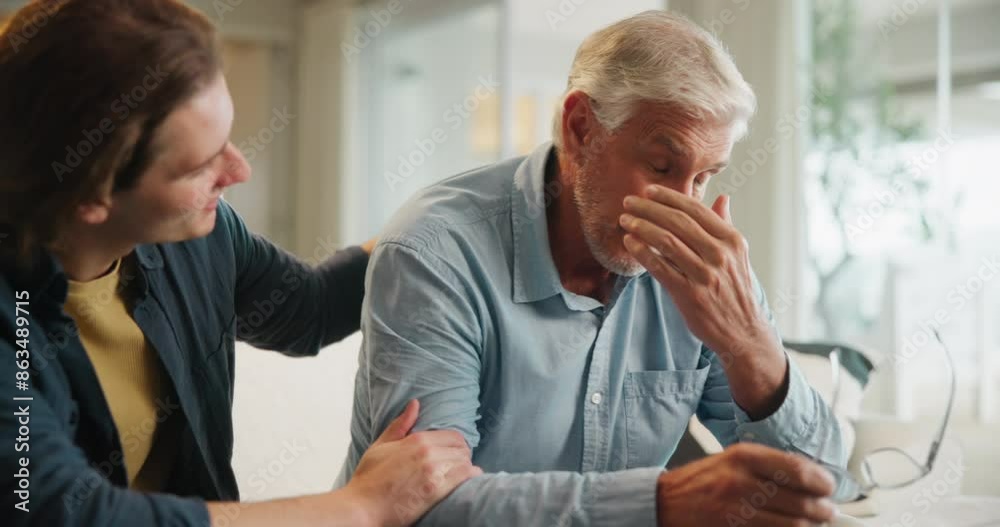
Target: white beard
[[600, 237]]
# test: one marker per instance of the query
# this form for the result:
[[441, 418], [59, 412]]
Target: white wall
[[322, 27], [292, 416], [291, 419], [248, 68], [272, 20]]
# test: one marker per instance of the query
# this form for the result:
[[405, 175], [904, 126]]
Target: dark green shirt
[[192, 300]]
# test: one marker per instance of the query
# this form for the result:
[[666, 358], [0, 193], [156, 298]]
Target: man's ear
[[579, 125], [94, 211]]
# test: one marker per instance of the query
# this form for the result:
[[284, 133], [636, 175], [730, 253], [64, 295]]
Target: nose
[[236, 169]]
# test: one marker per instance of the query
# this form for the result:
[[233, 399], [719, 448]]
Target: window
[[903, 227], [456, 85]]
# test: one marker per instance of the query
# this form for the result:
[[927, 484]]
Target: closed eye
[[204, 167], [705, 177], [661, 170]]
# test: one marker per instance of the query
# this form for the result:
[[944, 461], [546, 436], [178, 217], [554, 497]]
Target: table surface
[[949, 511]]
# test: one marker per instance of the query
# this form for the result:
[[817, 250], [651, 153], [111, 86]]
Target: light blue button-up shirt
[[571, 407]]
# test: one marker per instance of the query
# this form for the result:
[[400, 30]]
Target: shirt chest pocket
[[658, 406]]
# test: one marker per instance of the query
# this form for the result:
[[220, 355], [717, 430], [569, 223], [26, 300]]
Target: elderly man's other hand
[[747, 484], [703, 262]]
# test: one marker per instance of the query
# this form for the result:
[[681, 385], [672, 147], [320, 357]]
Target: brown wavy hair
[[84, 86]]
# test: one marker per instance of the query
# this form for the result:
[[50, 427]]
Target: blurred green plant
[[857, 159]]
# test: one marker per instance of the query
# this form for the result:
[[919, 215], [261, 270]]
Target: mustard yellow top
[[132, 378]]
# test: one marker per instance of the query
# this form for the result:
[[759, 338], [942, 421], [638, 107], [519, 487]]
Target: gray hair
[[660, 57]]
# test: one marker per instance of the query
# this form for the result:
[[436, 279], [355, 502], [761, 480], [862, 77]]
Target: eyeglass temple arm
[[936, 445], [835, 368]]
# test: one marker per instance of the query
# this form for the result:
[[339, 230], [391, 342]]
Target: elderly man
[[570, 311]]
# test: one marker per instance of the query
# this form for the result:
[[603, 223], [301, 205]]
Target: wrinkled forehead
[[681, 134]]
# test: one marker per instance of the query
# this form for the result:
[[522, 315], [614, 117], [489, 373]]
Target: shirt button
[[596, 398], [749, 436]]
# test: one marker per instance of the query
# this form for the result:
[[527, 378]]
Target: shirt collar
[[149, 256], [45, 275], [535, 276], [41, 275]]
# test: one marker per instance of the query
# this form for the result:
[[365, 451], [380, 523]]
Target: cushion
[[813, 361]]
